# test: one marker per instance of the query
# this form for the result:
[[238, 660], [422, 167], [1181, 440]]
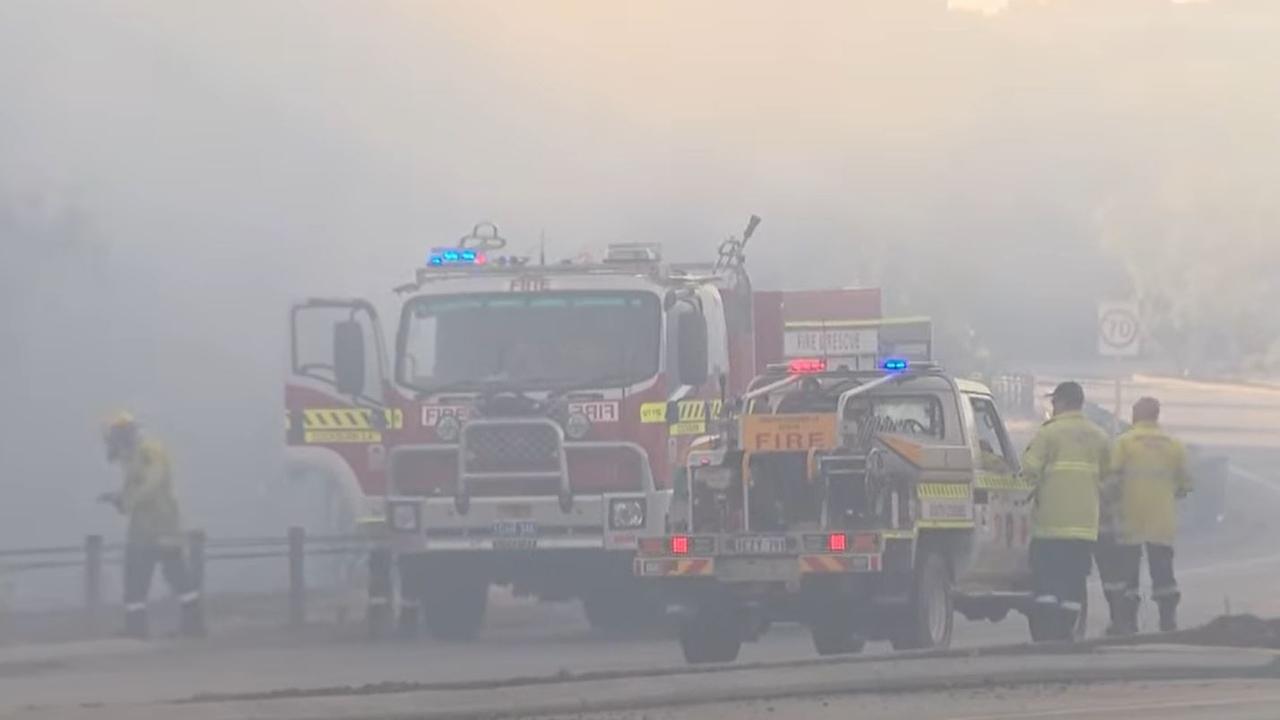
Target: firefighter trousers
[[140, 560], [1164, 586], [1112, 568], [1060, 570]]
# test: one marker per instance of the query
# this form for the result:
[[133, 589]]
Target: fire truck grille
[[515, 448]]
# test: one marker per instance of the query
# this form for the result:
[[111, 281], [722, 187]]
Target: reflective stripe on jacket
[[1065, 463], [1151, 471], [148, 497]]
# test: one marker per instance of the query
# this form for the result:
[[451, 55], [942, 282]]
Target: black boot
[[191, 621], [1129, 620], [1168, 613], [135, 624], [1116, 604]]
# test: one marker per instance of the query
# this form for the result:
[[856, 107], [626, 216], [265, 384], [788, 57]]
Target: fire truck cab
[[868, 504], [524, 427]]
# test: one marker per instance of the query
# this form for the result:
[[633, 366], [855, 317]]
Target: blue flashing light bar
[[895, 365], [452, 257]]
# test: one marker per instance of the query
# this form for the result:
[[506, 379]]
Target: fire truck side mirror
[[348, 357], [692, 344]]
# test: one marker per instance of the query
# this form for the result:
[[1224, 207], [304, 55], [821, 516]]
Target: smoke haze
[[173, 174]]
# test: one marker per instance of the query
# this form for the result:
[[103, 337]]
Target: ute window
[[915, 415], [993, 444], [539, 340]]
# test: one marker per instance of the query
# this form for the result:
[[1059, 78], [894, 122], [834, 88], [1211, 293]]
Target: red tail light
[[680, 545], [837, 542], [807, 366]]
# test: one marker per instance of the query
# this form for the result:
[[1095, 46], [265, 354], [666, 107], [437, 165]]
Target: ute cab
[[866, 504], [524, 427]]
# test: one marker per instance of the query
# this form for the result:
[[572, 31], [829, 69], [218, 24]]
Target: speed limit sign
[[1119, 329]]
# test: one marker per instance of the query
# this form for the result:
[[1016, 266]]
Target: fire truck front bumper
[[606, 522]]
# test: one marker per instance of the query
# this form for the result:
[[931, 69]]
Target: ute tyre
[[711, 638], [930, 616], [454, 608]]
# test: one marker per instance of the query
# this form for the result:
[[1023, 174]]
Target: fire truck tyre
[[454, 607], [711, 637], [929, 618]]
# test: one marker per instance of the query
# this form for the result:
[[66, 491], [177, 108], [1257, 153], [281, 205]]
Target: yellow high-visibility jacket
[[1151, 470], [1065, 463], [148, 498]]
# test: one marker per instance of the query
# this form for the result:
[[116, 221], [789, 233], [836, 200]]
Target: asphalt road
[[1235, 568], [1180, 700]]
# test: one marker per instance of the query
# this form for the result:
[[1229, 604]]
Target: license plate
[[515, 529], [515, 543], [758, 545]]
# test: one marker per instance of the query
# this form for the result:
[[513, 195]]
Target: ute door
[[1002, 511], [336, 395]]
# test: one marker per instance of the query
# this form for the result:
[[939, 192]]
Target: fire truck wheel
[[454, 607], [711, 637], [929, 618]]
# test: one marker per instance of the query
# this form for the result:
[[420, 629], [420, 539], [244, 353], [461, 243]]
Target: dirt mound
[[1247, 631]]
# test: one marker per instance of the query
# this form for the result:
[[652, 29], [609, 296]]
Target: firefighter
[[155, 530], [1064, 463], [1110, 558], [1151, 470]]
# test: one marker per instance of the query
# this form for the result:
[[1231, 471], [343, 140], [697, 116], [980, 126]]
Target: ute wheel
[[454, 607], [929, 618], [711, 637], [1049, 627]]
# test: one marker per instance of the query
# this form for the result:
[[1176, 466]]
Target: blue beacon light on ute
[[894, 365], [447, 257]]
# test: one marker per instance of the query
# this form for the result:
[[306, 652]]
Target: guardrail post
[[195, 555], [297, 577], [92, 581]]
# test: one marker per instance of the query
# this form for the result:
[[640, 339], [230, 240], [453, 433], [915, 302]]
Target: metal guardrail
[[95, 554]]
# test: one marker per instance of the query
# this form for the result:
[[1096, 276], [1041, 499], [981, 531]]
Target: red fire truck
[[526, 425]]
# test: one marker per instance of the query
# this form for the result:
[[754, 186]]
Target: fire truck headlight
[[404, 517], [448, 429], [577, 426], [626, 513]]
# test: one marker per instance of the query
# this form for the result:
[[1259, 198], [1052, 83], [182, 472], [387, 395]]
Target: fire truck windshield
[[534, 341]]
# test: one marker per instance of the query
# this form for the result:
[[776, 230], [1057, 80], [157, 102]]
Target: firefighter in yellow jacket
[[1150, 469], [1065, 463], [154, 536]]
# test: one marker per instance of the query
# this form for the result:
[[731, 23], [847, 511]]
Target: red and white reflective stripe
[[694, 566]]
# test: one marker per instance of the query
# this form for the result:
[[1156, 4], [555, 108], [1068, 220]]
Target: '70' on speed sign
[[1119, 329]]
